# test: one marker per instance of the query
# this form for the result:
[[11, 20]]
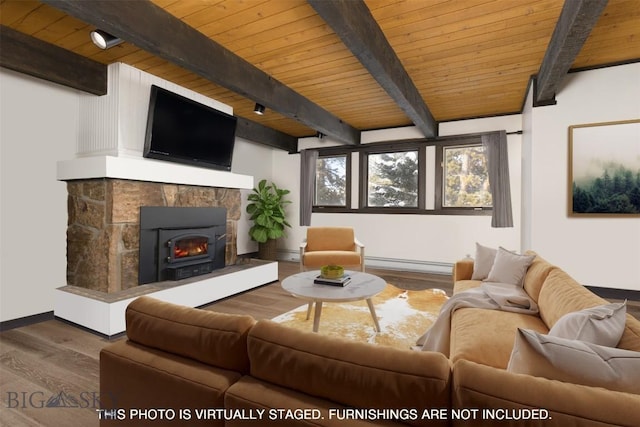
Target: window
[[443, 176], [465, 177], [331, 181], [392, 179]]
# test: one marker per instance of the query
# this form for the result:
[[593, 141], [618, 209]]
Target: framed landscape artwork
[[604, 169]]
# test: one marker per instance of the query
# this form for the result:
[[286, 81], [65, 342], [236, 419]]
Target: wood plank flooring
[[56, 363]]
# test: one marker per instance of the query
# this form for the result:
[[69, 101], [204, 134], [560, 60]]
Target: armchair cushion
[[330, 239], [320, 258]]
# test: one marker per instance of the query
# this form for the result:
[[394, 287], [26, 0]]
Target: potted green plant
[[266, 210]]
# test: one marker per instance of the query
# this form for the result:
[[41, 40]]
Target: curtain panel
[[495, 145], [308, 159]]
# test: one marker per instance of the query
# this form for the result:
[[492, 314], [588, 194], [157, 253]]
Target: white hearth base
[[108, 318]]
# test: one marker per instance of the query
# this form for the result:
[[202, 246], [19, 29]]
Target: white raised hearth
[[105, 313]]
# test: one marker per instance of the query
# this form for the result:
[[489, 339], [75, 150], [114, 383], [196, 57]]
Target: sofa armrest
[[463, 269], [485, 387], [346, 372], [133, 376]]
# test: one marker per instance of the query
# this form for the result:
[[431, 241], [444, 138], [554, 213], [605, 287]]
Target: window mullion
[[422, 174], [439, 177], [364, 180]]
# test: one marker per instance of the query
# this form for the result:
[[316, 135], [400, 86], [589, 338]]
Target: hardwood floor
[[56, 363]]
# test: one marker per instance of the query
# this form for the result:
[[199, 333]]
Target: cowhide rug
[[403, 316]]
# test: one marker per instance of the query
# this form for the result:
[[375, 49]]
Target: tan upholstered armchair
[[331, 245]]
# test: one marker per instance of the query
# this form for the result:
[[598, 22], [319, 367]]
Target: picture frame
[[604, 169]]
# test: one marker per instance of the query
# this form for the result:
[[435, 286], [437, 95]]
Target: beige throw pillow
[[575, 362], [483, 261], [509, 267], [601, 325]]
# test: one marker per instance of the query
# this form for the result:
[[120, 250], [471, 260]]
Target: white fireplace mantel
[[142, 169]]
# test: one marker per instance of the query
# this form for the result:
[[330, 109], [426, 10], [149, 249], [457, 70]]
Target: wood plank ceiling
[[467, 58]]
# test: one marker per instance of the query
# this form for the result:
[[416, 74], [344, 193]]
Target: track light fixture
[[258, 109], [104, 40]]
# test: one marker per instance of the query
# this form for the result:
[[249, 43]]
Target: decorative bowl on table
[[332, 271]]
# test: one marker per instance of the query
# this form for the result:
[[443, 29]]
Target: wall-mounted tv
[[185, 131]]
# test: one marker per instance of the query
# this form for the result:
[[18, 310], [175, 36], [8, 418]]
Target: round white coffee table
[[363, 286]]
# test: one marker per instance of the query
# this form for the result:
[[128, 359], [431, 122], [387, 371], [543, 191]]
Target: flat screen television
[[185, 131]]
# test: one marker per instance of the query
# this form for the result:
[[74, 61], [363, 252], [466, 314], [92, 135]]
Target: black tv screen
[[184, 131]]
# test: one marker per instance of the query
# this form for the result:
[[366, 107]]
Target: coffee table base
[[363, 286], [318, 313]]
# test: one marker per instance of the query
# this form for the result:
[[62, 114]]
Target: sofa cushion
[[217, 339], [575, 361], [483, 261], [561, 294], [486, 336], [631, 336], [479, 386], [536, 275], [349, 373], [601, 325], [465, 285], [509, 267]]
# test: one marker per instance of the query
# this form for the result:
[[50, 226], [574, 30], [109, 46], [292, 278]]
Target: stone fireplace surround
[[104, 226]]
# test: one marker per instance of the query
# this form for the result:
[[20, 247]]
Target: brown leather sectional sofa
[[185, 366]]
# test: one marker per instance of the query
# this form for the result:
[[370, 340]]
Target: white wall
[[595, 251], [38, 126], [429, 242], [256, 160]]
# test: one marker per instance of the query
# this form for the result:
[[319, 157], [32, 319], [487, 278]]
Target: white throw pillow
[[509, 267], [601, 325], [483, 262], [575, 362]]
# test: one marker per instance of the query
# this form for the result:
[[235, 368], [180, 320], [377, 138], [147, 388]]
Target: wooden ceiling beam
[[256, 132], [577, 19], [154, 30], [28, 55], [355, 25]]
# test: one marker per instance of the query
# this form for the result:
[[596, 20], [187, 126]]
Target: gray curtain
[[495, 146], [308, 160]]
